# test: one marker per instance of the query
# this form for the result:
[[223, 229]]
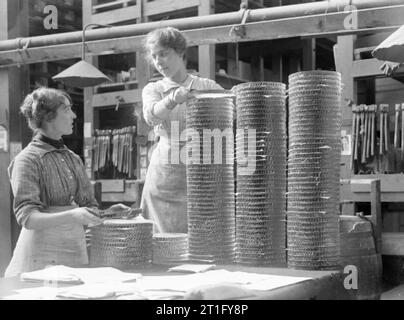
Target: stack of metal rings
[[210, 177], [170, 248], [121, 243], [314, 170], [261, 173]]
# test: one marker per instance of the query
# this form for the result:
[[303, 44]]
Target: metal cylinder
[[210, 177], [261, 173], [170, 248], [121, 243], [313, 170]]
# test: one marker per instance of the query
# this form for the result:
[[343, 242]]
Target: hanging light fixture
[[82, 74], [391, 49]]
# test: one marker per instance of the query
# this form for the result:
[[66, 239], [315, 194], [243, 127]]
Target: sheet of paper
[[54, 274], [103, 275], [187, 282], [97, 291], [65, 274], [40, 293], [194, 268]]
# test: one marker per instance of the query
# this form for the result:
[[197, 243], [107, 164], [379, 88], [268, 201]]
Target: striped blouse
[[42, 176]]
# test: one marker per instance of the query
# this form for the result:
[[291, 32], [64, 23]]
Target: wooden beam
[[388, 17], [111, 98], [358, 188], [389, 182]]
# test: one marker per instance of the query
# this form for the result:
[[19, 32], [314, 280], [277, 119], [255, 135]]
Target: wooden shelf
[[108, 99], [229, 79], [391, 187], [116, 86], [117, 4]]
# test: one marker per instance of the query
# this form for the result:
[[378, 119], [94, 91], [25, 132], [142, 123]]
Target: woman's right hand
[[180, 95], [83, 217]]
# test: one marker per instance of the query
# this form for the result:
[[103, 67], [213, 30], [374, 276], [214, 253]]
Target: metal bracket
[[119, 100], [23, 48], [238, 31]]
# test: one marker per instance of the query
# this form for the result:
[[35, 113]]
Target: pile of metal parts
[[261, 193], [210, 180], [121, 243], [372, 147], [314, 170], [170, 248], [116, 150]]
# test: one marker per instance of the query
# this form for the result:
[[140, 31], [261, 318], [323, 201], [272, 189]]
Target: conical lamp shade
[[391, 49], [81, 74]]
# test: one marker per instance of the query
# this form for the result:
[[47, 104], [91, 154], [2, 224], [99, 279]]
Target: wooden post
[[257, 64], [207, 53], [232, 59], [14, 85], [277, 67], [88, 112], [143, 75], [97, 188], [309, 54], [376, 212], [343, 54]]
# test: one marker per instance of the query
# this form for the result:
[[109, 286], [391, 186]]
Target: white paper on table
[[103, 275], [97, 291], [40, 293], [79, 275], [185, 283], [193, 268], [272, 282], [154, 295], [52, 274]]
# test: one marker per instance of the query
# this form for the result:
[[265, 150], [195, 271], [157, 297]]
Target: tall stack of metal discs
[[261, 173], [210, 177], [122, 243], [170, 247], [314, 170]]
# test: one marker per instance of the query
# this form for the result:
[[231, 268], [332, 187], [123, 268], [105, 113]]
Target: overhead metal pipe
[[228, 18]]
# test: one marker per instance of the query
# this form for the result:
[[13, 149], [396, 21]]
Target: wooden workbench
[[324, 285]]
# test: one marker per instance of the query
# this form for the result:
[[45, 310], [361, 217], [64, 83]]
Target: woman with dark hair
[[164, 198], [51, 189]]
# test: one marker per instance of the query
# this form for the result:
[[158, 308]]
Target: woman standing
[[51, 189], [164, 198]]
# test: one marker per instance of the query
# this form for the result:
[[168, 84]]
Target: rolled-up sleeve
[[24, 178], [150, 96]]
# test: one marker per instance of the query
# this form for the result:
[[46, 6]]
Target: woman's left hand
[[119, 208]]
